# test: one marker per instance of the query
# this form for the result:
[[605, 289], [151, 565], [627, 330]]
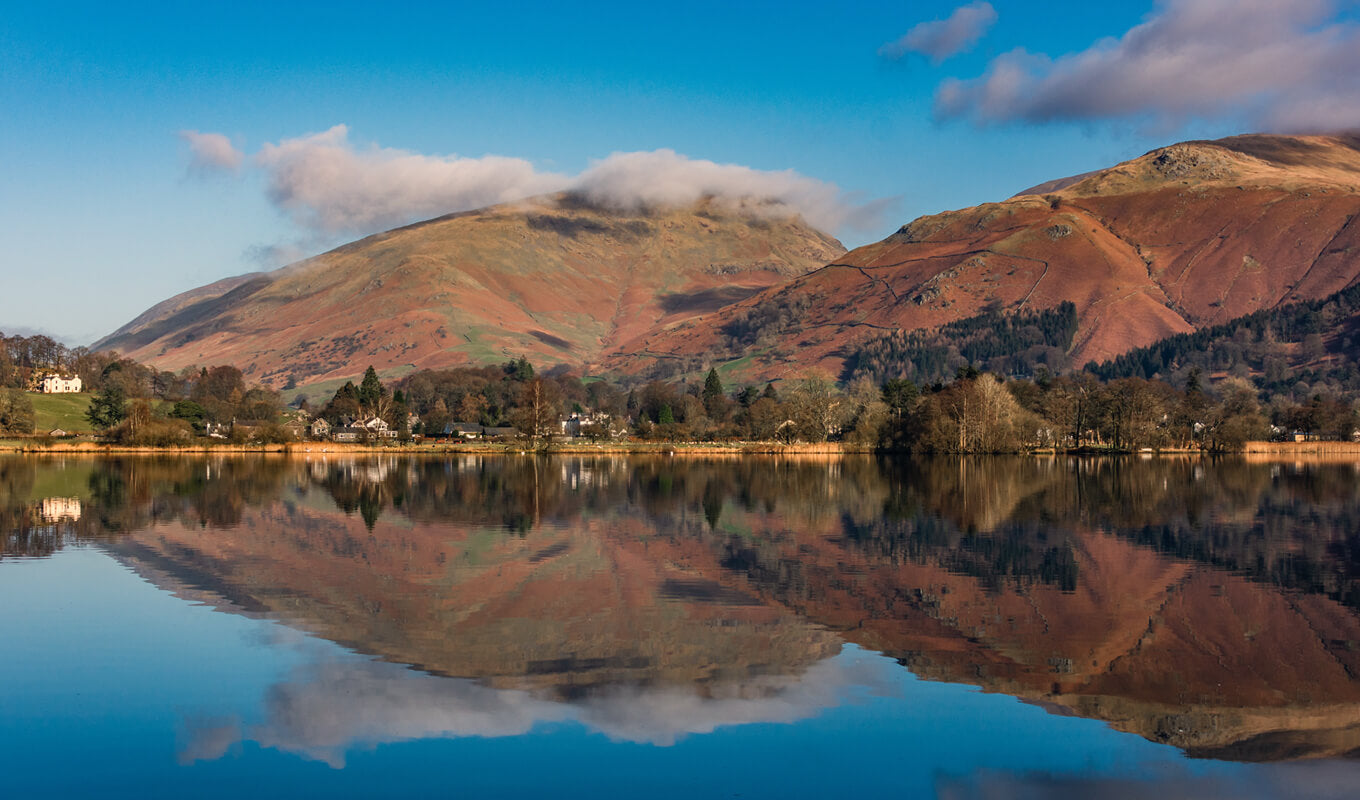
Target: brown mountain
[[552, 279], [1186, 236]]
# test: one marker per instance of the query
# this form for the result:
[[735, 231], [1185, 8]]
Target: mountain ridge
[[1185, 236], [553, 279]]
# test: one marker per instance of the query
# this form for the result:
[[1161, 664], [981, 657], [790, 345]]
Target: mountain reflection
[[1207, 604]]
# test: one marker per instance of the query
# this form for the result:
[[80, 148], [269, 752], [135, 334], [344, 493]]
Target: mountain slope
[[552, 279], [1186, 236]]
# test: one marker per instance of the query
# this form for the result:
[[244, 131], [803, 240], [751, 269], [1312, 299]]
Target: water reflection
[[1209, 605], [326, 710]]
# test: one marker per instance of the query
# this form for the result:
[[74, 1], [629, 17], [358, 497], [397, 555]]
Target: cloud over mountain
[[664, 178], [1287, 66], [328, 185], [939, 39]]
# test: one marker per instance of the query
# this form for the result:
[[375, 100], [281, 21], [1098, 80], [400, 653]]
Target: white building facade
[[58, 384]]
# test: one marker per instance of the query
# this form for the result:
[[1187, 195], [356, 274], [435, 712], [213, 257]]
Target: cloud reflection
[[326, 710]]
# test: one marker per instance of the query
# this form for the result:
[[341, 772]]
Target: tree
[[1236, 419], [190, 412], [900, 395], [817, 408], [108, 408], [343, 404], [538, 409], [715, 400], [370, 392], [16, 412], [520, 370]]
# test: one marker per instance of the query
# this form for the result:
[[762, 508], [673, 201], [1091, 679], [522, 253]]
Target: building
[[348, 433], [595, 424], [320, 428], [59, 384], [463, 430], [378, 428]]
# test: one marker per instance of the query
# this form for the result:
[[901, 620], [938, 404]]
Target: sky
[[146, 148]]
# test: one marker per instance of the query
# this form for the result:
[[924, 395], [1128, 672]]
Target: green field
[[65, 411]]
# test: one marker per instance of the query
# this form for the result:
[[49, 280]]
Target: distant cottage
[[465, 430], [59, 384]]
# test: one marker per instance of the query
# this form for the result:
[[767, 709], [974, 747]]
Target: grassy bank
[[65, 411]]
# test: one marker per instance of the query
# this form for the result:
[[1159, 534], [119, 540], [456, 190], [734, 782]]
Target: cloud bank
[[1283, 66], [329, 186], [942, 38], [666, 179]]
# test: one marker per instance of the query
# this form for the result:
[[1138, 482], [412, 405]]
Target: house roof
[[463, 427]]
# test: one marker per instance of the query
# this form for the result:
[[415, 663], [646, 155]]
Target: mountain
[[1184, 237], [553, 279]]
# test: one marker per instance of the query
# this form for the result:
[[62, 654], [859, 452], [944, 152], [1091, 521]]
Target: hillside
[[1184, 237], [552, 279], [65, 411]]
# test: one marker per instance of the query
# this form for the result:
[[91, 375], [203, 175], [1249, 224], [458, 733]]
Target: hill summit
[[555, 279], [1183, 237]]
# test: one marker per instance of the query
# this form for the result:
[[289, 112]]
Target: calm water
[[513, 627]]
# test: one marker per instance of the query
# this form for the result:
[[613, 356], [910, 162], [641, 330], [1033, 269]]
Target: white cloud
[[326, 184], [942, 38], [1289, 66], [330, 187], [211, 152], [664, 178]]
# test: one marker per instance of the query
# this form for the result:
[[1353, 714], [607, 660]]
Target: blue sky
[[106, 207]]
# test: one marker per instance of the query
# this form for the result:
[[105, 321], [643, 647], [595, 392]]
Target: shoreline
[[1252, 451], [331, 448]]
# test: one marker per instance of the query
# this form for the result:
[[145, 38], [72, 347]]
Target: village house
[[464, 430], [377, 427], [59, 384], [347, 433], [319, 429], [596, 424]]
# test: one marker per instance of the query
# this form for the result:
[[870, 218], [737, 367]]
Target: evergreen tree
[[899, 394], [108, 408], [520, 370], [370, 391], [715, 401]]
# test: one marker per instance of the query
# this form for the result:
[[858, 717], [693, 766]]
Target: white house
[[58, 384], [377, 426]]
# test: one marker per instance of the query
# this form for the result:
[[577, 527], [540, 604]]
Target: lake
[[488, 626]]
